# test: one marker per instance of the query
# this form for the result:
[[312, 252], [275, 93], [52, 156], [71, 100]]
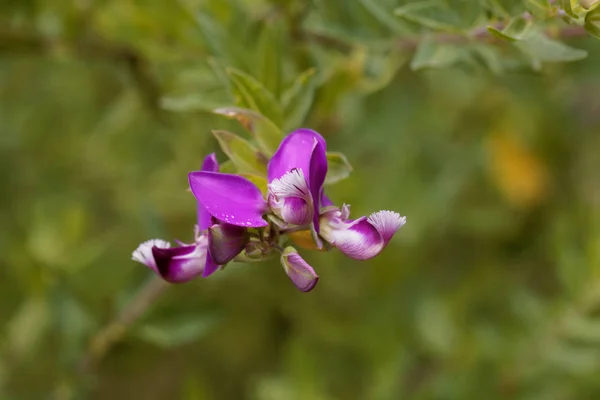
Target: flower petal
[[290, 198], [359, 240], [301, 274], [387, 223], [295, 211], [295, 151], [305, 150], [325, 202], [210, 164], [230, 198], [363, 238], [225, 241], [210, 267], [318, 172], [180, 264], [143, 254]]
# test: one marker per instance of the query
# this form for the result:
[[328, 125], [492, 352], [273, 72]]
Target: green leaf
[[587, 4], [490, 56], [217, 39], [270, 55], [265, 132], [338, 167], [431, 54], [227, 167], [517, 29], [380, 69], [540, 9], [244, 156], [543, 49], [566, 5], [250, 93], [176, 331], [384, 17], [592, 22], [430, 14], [298, 99]]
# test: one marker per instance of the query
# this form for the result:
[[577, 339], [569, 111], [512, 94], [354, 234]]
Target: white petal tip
[[143, 253], [387, 223]]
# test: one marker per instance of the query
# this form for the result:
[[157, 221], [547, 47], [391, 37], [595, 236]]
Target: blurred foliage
[[463, 115]]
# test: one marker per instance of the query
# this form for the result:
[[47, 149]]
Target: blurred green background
[[491, 290]]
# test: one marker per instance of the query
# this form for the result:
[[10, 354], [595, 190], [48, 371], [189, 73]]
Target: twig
[[116, 329], [411, 43]]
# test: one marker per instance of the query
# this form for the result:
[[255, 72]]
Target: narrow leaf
[[566, 5], [244, 156], [384, 17], [270, 55], [592, 22], [266, 133], [338, 167], [431, 54], [540, 9], [517, 29], [298, 99], [544, 49], [250, 93], [429, 15]]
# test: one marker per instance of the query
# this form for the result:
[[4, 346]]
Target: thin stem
[[112, 333], [410, 43]]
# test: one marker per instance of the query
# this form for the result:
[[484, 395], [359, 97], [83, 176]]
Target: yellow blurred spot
[[516, 170], [304, 239]]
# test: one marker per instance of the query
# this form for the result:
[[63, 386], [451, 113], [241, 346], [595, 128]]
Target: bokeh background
[[491, 290]]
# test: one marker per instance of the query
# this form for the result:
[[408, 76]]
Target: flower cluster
[[235, 220]]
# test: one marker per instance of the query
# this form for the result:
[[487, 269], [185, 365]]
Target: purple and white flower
[[296, 174], [233, 218], [362, 238], [301, 274]]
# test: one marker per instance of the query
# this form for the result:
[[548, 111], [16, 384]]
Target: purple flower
[[174, 264], [230, 198], [224, 240], [296, 173], [362, 238], [301, 274], [216, 243]]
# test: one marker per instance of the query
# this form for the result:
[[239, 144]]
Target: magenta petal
[[180, 264], [305, 150], [295, 211], [363, 238], [210, 267], [143, 253], [295, 151], [325, 201], [317, 173], [210, 164], [299, 271], [360, 240], [230, 198], [225, 241]]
